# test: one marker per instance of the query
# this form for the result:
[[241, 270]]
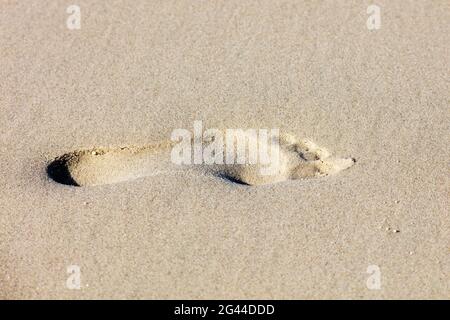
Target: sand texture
[[362, 188]]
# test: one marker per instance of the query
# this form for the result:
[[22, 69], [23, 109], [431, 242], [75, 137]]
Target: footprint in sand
[[298, 159]]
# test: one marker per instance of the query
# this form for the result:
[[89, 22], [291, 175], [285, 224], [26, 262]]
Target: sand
[[138, 70]]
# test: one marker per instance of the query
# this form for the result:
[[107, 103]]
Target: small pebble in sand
[[393, 230]]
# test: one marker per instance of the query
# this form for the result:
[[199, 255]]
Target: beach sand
[[137, 70]]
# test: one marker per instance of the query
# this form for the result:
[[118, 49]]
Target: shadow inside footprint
[[231, 179], [58, 170]]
